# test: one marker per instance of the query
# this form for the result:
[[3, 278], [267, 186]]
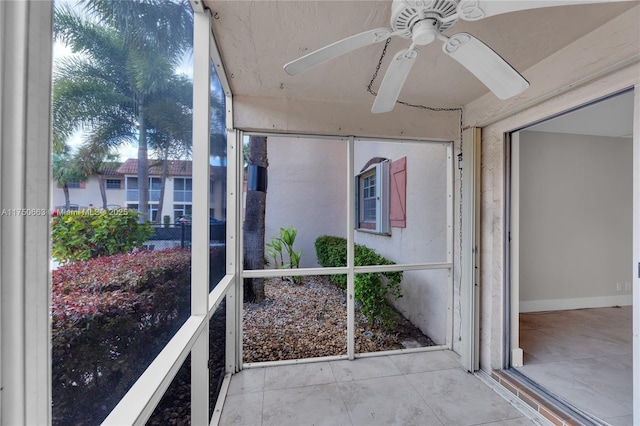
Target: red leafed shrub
[[110, 317]]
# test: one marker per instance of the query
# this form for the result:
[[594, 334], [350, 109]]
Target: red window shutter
[[398, 193]]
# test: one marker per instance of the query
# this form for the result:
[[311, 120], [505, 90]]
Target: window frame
[[186, 194], [381, 223], [193, 337], [112, 181]]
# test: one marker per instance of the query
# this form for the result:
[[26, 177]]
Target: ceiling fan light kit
[[424, 21]]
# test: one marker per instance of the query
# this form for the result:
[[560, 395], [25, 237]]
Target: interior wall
[[601, 63], [575, 219]]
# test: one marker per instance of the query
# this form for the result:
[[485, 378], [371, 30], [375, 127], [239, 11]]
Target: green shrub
[[371, 289], [285, 241], [89, 234], [110, 317]]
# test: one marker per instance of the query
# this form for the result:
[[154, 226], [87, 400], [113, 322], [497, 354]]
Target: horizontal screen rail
[[266, 273], [402, 267], [260, 273]]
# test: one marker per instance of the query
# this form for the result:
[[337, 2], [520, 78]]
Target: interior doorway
[[571, 253]]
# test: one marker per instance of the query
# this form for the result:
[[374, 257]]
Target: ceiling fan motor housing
[[418, 16]]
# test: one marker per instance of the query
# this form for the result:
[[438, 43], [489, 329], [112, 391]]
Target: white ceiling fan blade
[[336, 49], [486, 65], [393, 80], [473, 10]]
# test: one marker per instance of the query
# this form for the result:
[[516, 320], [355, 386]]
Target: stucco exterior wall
[[598, 64], [307, 190], [425, 237], [89, 196]]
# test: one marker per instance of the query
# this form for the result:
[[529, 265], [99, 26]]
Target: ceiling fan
[[424, 21]]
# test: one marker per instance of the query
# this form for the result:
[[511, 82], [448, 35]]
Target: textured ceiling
[[256, 38]]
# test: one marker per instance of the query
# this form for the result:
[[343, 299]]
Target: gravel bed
[[310, 320]]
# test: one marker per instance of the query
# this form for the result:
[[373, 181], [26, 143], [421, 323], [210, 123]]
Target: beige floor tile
[[459, 398], [386, 401], [620, 421], [309, 405], [363, 368], [520, 421], [242, 410], [247, 381], [289, 376], [423, 361]]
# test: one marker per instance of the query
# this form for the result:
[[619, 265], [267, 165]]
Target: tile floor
[[427, 388], [583, 356]]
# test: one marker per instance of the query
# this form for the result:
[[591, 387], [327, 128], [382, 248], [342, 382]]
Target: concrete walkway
[[427, 388]]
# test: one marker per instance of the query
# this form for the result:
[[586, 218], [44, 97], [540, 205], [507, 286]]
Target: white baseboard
[[577, 303]]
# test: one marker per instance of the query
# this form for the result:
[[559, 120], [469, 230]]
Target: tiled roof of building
[[111, 169], [176, 168]]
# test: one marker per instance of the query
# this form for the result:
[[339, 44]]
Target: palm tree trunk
[[143, 166], [254, 225], [163, 181], [103, 190], [67, 201]]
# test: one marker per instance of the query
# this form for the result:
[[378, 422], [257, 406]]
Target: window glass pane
[[178, 184], [217, 181], [217, 345], [176, 401], [115, 303], [113, 184]]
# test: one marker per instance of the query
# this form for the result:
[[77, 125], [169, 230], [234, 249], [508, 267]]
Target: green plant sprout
[[285, 243]]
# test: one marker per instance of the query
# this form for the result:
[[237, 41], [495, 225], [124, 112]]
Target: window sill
[[373, 231]]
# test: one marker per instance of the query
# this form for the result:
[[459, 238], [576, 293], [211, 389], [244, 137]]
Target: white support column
[[450, 237], [233, 343], [636, 256], [517, 355], [470, 249], [200, 222], [350, 251], [25, 149]]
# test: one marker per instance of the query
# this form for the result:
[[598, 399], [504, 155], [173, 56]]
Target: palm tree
[[65, 171], [96, 159], [218, 130], [127, 55], [171, 119], [254, 221]]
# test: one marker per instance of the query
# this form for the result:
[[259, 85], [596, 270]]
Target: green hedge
[[88, 234], [110, 317], [371, 289]]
